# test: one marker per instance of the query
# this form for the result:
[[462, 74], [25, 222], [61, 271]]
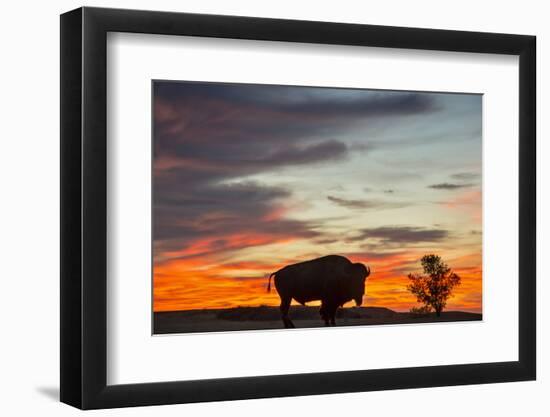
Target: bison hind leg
[[328, 313], [285, 306]]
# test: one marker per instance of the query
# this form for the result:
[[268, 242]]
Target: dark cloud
[[209, 136], [449, 186], [230, 130], [389, 191], [303, 101], [218, 213], [224, 122], [401, 234], [364, 204]]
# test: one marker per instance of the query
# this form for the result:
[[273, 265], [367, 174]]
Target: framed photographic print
[[258, 207], [255, 182]]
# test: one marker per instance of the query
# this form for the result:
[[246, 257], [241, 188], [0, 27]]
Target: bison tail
[[269, 282]]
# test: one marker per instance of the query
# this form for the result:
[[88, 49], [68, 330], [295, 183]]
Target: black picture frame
[[84, 208]]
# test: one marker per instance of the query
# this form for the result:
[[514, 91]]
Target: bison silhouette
[[333, 279]]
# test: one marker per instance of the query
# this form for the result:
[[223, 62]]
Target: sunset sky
[[249, 178]]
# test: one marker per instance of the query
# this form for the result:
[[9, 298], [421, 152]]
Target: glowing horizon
[[250, 178]]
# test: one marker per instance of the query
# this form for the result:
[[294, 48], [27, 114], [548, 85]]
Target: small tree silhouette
[[436, 285]]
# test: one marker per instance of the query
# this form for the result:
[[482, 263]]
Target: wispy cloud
[[465, 176], [365, 204], [401, 234], [449, 186], [353, 204]]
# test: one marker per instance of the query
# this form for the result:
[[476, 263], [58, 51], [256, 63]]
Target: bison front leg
[[333, 316], [324, 314], [330, 312], [285, 306]]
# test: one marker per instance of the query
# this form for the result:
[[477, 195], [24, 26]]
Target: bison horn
[[368, 271]]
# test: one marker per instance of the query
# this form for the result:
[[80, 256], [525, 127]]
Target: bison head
[[358, 275]]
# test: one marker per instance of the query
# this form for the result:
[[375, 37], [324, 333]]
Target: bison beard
[[332, 279]]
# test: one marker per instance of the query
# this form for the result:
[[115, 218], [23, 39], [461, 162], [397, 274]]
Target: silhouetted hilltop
[[266, 317], [266, 313]]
